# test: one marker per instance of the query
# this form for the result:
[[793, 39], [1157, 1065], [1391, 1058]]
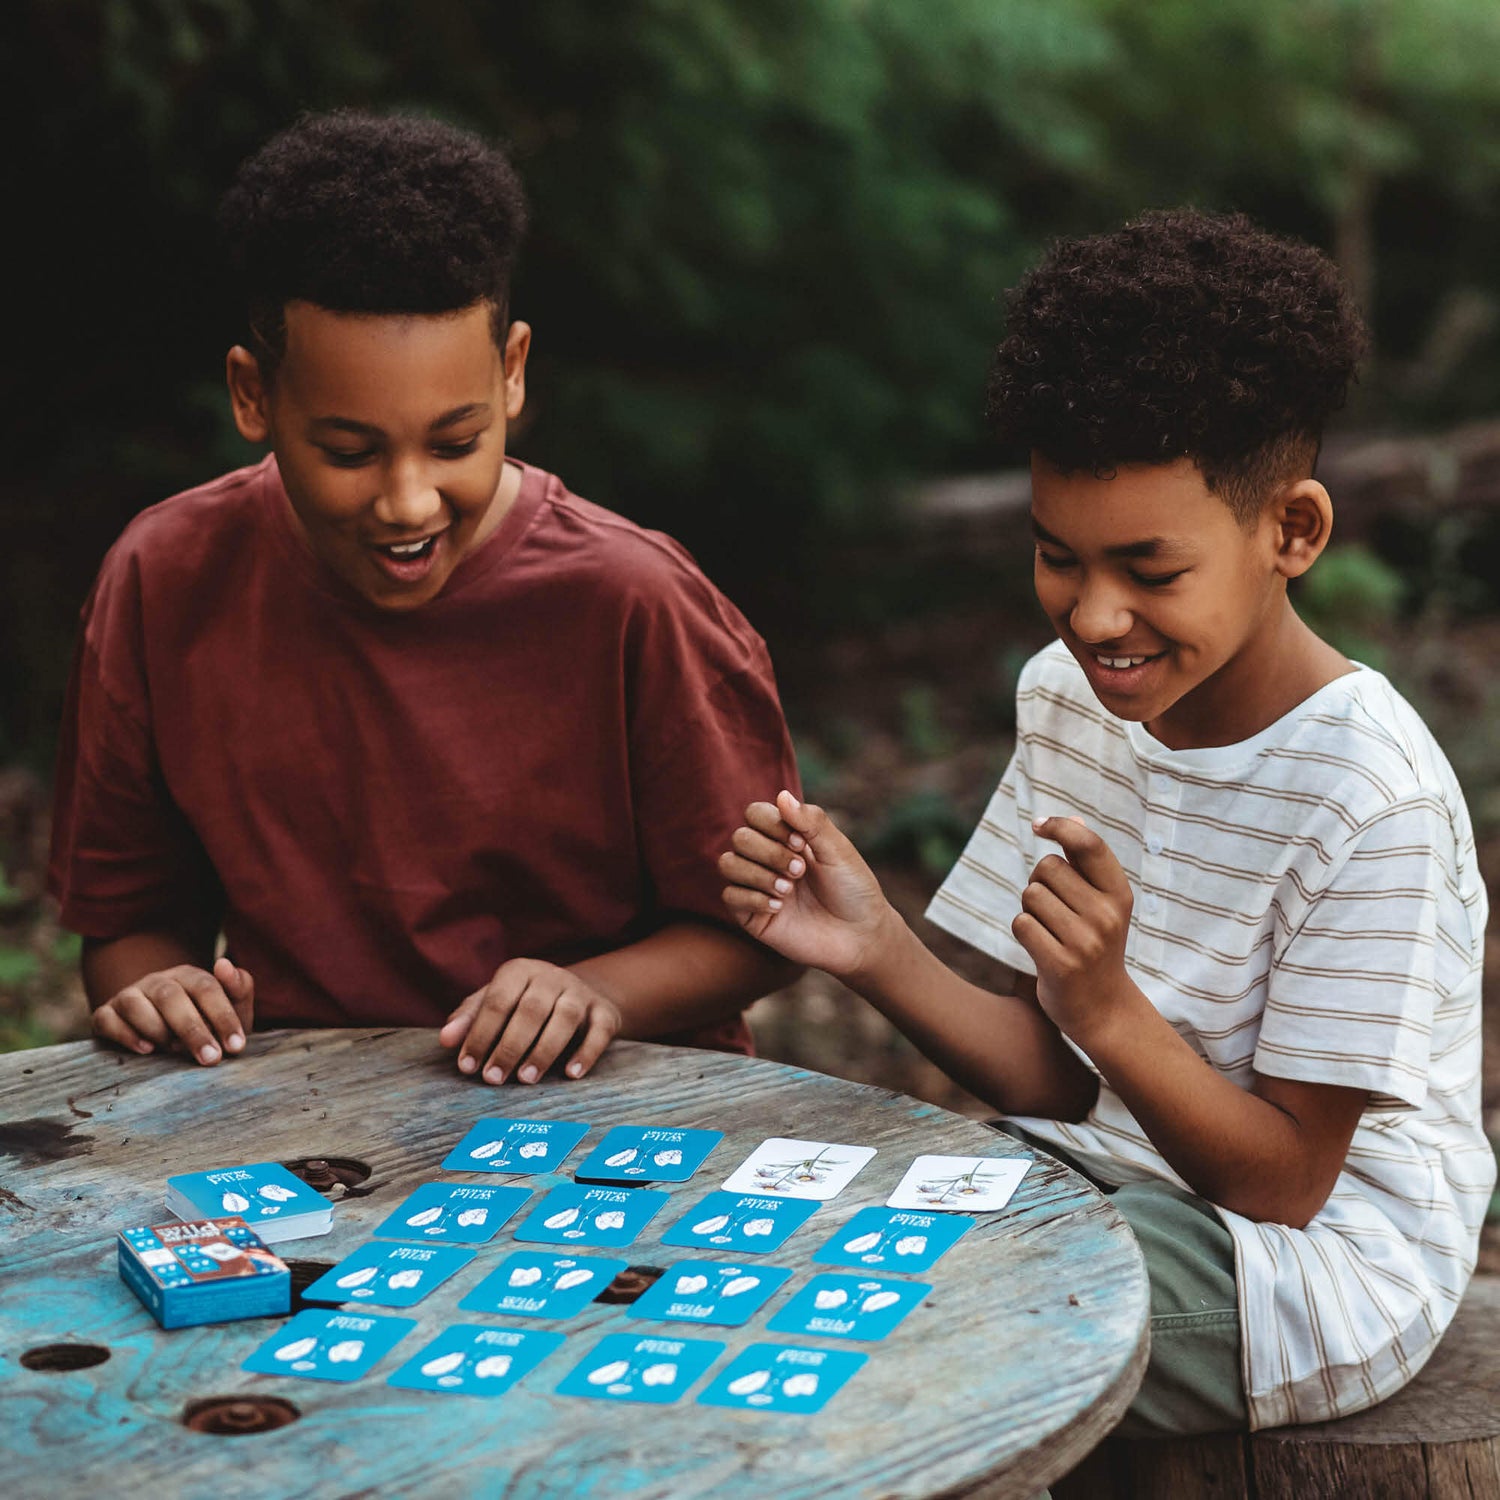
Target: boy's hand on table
[[1075, 914], [208, 1014], [799, 886], [529, 1014]]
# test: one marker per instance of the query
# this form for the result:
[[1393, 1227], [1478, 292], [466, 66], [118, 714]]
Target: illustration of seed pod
[[427, 1216], [401, 1280], [758, 1226], [830, 1297], [741, 1284], [443, 1363], [911, 1244], [570, 1279], [486, 1149], [713, 1225], [687, 1285], [533, 1149], [358, 1278], [611, 1219], [862, 1243], [525, 1276], [234, 1204], [662, 1374], [620, 1158], [748, 1383], [800, 1385], [493, 1367], [878, 1300], [608, 1374], [276, 1193], [668, 1158], [561, 1220], [343, 1353], [471, 1216], [297, 1349]]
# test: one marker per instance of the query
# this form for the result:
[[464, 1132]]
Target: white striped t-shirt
[[1307, 905]]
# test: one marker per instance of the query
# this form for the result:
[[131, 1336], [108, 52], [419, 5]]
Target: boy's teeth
[[1121, 661], [408, 549]]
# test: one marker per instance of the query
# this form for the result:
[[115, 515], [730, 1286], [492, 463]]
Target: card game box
[[277, 1205], [204, 1271]]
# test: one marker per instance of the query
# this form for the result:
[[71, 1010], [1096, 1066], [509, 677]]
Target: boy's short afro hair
[[1182, 334], [361, 212]]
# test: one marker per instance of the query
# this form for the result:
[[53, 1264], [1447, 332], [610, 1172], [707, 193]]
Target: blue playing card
[[622, 1367], [470, 1360], [577, 1215], [538, 1284], [745, 1223], [848, 1307], [515, 1146], [389, 1275], [453, 1213], [276, 1204], [893, 1239], [709, 1291], [632, 1153], [782, 1377], [322, 1345]]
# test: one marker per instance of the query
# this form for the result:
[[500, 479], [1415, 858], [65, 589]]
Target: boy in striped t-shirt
[[1244, 988]]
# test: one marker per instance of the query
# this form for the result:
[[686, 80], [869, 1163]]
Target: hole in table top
[[56, 1358], [304, 1273], [238, 1416], [630, 1283], [334, 1176]]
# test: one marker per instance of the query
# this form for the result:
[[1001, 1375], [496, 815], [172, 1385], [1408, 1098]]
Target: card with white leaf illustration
[[538, 1284], [389, 1275], [453, 1213], [848, 1307], [576, 1215], [322, 1345], [744, 1223], [959, 1184], [623, 1367], [893, 1241], [273, 1202], [709, 1291], [782, 1377], [634, 1153], [471, 1360], [502, 1145], [798, 1169]]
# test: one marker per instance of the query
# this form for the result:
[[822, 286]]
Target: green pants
[[1192, 1382]]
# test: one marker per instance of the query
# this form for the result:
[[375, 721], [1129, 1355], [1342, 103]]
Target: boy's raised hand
[[525, 1018], [209, 1014], [799, 886], [1075, 914]]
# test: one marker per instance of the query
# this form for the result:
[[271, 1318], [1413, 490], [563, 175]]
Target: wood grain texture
[[1029, 1348]]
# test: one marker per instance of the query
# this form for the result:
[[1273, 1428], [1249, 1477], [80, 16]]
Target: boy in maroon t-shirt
[[402, 717]]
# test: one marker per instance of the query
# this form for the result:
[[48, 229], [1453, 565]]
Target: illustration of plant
[[972, 1183], [778, 1176]]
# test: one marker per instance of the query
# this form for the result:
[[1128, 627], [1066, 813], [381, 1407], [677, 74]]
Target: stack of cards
[[277, 1205], [210, 1271]]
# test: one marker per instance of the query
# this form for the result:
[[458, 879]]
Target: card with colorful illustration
[[633, 1153], [745, 1223], [576, 1215], [453, 1213], [519, 1146], [624, 1367], [322, 1345], [959, 1184], [471, 1360], [848, 1307], [709, 1291], [782, 1377], [389, 1275], [276, 1204], [798, 1169], [893, 1241], [538, 1284]]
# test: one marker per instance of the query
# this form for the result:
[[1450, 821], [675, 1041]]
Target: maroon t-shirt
[[545, 761]]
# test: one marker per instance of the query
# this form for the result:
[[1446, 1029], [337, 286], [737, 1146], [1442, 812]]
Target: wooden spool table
[[1027, 1351]]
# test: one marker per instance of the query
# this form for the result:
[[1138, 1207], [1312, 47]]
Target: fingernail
[[793, 800], [144, 1046], [1037, 824], [796, 867], [208, 1054], [235, 1042], [796, 841], [494, 1075], [574, 1070], [467, 1064], [774, 904], [528, 1074], [783, 885]]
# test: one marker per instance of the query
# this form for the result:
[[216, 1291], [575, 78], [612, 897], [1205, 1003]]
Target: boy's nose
[[1099, 614], [408, 499]]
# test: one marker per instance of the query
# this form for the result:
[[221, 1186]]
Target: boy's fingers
[[456, 1027], [180, 1011], [756, 877], [1043, 948], [1049, 911], [216, 1008], [239, 985], [496, 1001], [746, 903], [139, 1011], [764, 818], [768, 852], [109, 1025], [1086, 852], [561, 1027], [523, 1026], [601, 1032]]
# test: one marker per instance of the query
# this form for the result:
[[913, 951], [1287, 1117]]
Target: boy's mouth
[[408, 562]]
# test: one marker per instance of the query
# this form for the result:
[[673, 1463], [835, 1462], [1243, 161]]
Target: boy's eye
[[457, 450], [341, 458], [1047, 560], [1157, 580]]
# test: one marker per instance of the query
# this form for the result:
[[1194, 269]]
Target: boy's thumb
[[807, 819]]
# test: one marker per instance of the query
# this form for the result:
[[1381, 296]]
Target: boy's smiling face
[[389, 431], [1176, 611]]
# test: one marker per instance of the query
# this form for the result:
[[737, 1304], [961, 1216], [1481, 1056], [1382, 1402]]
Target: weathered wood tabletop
[[1029, 1347]]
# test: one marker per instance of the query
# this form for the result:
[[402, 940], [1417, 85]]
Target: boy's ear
[[517, 347], [1304, 522], [247, 395]]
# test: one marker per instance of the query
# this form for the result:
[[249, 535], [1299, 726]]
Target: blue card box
[[204, 1271]]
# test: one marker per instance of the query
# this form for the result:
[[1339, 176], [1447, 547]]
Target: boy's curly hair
[[1182, 334], [360, 212]]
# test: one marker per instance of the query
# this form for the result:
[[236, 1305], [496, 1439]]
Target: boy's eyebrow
[[367, 429], [1152, 546]]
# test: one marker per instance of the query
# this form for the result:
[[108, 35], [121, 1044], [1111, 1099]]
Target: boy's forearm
[[685, 976], [1001, 1048], [109, 966]]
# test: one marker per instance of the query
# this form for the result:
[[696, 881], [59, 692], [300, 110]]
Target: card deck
[[709, 1291], [322, 1345], [632, 1153], [518, 1146], [576, 1215], [894, 1241], [453, 1213], [471, 1360], [624, 1367], [746, 1223], [848, 1307], [959, 1184], [387, 1275], [276, 1204], [208, 1271], [782, 1377], [537, 1284], [798, 1169]]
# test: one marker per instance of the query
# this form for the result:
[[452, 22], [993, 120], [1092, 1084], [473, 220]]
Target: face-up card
[[322, 1345], [782, 1377], [389, 1275], [798, 1169], [848, 1307], [632, 1153], [746, 1223], [893, 1241], [470, 1360], [276, 1204], [959, 1184], [453, 1213], [577, 1215], [709, 1291], [515, 1146], [623, 1367], [537, 1284]]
